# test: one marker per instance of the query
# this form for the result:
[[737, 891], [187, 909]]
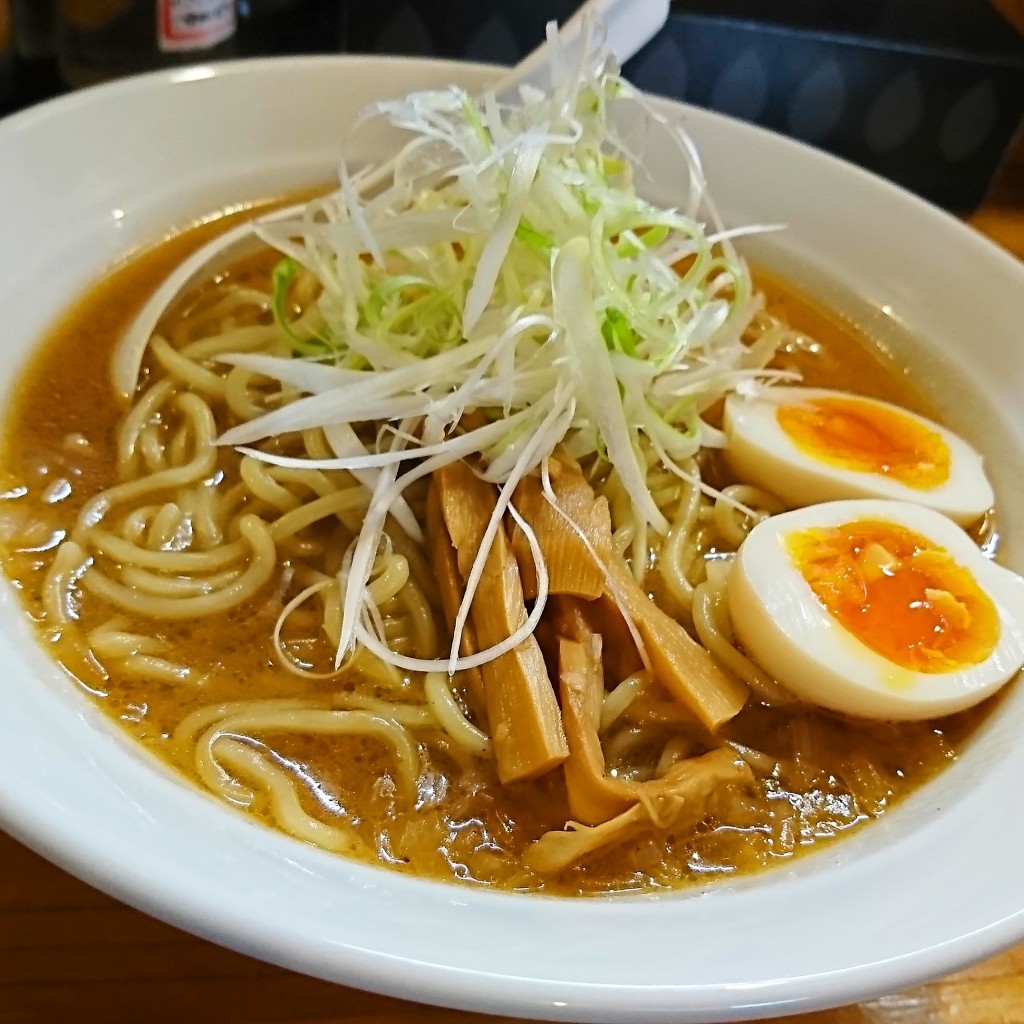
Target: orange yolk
[[867, 438], [898, 593]]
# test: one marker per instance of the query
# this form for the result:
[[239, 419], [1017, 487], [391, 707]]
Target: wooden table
[[69, 953]]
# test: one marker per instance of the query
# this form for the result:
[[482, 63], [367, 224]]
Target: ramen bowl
[[933, 885]]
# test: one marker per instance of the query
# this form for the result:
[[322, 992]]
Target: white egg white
[[762, 453], [789, 632]]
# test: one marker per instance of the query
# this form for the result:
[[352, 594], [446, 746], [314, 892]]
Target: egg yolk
[[898, 593], [867, 438]]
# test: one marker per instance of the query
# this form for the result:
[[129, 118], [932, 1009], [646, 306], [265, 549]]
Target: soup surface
[[816, 776]]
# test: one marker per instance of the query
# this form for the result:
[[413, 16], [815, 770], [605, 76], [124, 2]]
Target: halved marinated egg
[[880, 609], [808, 445]]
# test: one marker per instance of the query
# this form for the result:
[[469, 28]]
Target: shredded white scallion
[[516, 275]]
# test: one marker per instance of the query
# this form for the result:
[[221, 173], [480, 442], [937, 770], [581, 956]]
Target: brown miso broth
[[824, 776]]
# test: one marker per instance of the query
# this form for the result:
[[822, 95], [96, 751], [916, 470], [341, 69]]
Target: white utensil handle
[[629, 23]]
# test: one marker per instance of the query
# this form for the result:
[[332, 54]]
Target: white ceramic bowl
[[935, 884]]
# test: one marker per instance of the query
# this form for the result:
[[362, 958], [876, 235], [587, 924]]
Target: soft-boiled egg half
[[879, 609], [807, 445]]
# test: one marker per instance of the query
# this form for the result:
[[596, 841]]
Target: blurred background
[[929, 93]]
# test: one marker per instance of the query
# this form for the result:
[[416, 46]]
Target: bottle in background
[[102, 39]]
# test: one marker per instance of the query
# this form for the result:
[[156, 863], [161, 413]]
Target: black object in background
[[496, 31], [33, 23], [925, 92], [970, 26], [290, 26], [35, 62]]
